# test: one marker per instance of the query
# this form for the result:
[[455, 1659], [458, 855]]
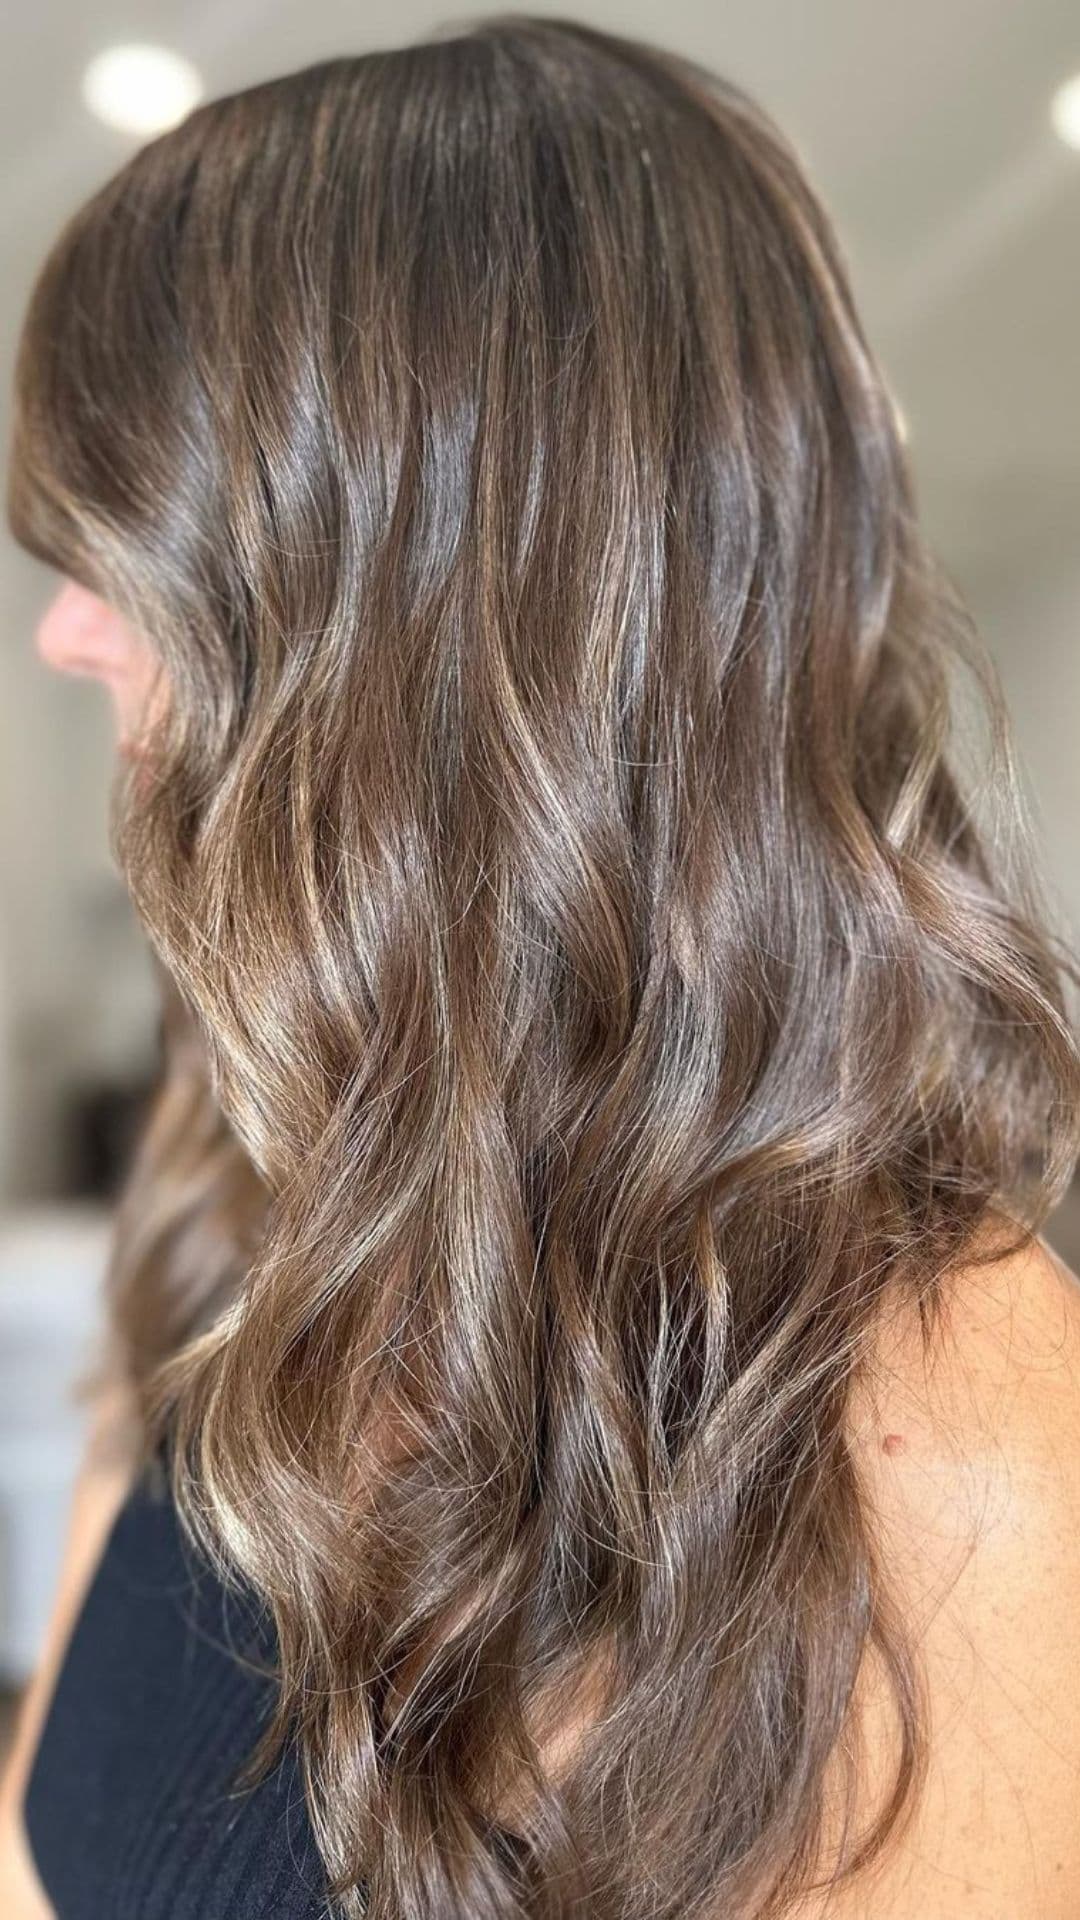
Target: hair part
[[589, 988]]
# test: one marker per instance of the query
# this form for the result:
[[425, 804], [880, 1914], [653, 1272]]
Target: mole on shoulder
[[892, 1443]]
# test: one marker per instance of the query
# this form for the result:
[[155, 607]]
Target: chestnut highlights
[[589, 989]]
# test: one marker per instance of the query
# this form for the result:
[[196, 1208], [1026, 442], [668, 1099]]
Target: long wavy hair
[[591, 986]]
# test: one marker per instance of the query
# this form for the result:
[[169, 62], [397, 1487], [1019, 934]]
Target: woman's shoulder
[[969, 1454], [983, 1421]]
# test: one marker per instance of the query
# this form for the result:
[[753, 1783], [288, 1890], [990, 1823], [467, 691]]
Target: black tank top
[[131, 1808]]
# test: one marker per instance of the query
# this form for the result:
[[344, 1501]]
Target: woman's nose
[[78, 633]]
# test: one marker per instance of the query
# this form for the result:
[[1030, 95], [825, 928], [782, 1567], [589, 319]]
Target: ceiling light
[[1065, 111], [140, 89]]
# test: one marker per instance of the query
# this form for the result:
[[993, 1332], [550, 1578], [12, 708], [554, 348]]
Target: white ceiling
[[924, 128]]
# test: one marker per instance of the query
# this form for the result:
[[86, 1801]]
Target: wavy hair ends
[[590, 989]]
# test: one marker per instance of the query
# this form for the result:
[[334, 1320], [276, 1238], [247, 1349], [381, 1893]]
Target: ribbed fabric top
[[131, 1808]]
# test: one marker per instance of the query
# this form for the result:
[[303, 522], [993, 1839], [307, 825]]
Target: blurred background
[[945, 141]]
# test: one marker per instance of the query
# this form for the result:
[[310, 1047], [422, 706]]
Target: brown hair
[[590, 988]]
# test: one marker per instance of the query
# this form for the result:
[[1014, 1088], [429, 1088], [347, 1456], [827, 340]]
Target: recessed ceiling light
[[1065, 111], [140, 89]]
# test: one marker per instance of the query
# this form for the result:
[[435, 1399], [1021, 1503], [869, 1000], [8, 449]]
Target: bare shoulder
[[997, 1396], [970, 1459]]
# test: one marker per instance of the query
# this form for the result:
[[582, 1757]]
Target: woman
[[597, 1419]]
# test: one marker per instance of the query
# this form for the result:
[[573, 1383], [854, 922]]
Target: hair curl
[[589, 987]]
